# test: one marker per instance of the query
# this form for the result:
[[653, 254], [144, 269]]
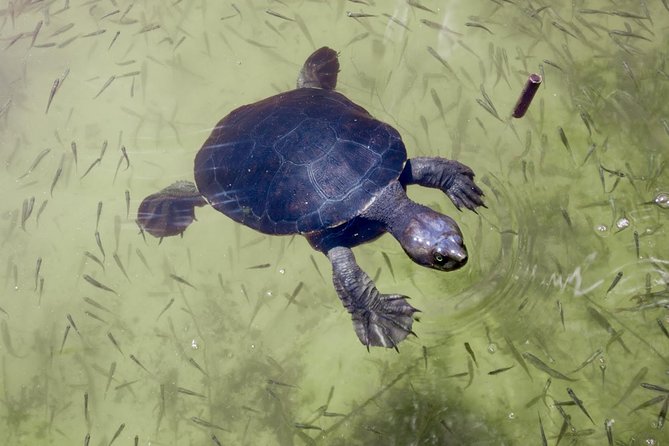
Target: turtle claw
[[462, 190], [385, 322]]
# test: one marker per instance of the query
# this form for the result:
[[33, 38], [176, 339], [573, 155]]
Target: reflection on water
[[558, 319]]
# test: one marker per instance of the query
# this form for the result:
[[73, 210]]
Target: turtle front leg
[[455, 179], [380, 320], [169, 211]]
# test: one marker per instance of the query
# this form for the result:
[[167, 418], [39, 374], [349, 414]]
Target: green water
[[228, 354]]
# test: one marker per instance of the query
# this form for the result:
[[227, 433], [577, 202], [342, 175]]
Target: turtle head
[[434, 240]]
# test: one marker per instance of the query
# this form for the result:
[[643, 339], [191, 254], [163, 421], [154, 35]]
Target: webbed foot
[[320, 70], [379, 320], [460, 187], [169, 211]]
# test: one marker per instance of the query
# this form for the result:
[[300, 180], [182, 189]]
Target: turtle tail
[[320, 70], [170, 211]]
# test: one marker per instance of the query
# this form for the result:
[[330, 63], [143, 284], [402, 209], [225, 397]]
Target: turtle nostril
[[456, 249]]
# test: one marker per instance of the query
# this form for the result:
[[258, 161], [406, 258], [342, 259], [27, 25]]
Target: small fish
[[93, 164], [579, 403], [99, 213], [38, 267], [307, 426], [120, 266], [54, 88], [169, 304], [478, 25], [294, 294], [436, 55], [95, 316], [118, 33], [487, 108], [110, 376], [94, 33], [205, 423], [56, 177], [425, 356], [500, 370], [106, 84], [126, 384], [517, 356], [142, 259], [276, 14], [544, 441], [35, 33], [439, 27], [471, 353], [62, 344], [396, 20], [636, 244], [87, 439], [539, 364], [417, 5], [73, 146], [437, 103], [136, 361], [563, 29], [591, 358], [190, 392], [124, 157], [94, 258], [662, 416], [215, 440], [40, 210], [182, 280], [565, 141], [197, 366], [313, 262], [109, 14], [91, 302], [615, 281], [279, 383], [27, 210], [62, 29], [97, 284], [117, 433], [650, 402], [127, 204], [358, 15], [113, 341], [148, 28], [634, 383], [654, 387], [71, 321], [261, 266], [36, 162], [86, 407], [98, 240], [663, 328]]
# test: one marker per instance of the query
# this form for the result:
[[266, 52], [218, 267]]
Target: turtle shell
[[298, 162]]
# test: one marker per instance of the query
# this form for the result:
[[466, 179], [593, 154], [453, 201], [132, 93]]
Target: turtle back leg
[[169, 211], [320, 70], [455, 179], [382, 320]]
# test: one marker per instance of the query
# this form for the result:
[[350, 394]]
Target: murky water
[[193, 345]]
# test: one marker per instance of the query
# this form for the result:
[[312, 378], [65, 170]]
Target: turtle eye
[[438, 258]]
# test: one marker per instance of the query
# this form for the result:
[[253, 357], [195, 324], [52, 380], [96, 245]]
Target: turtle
[[312, 162]]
